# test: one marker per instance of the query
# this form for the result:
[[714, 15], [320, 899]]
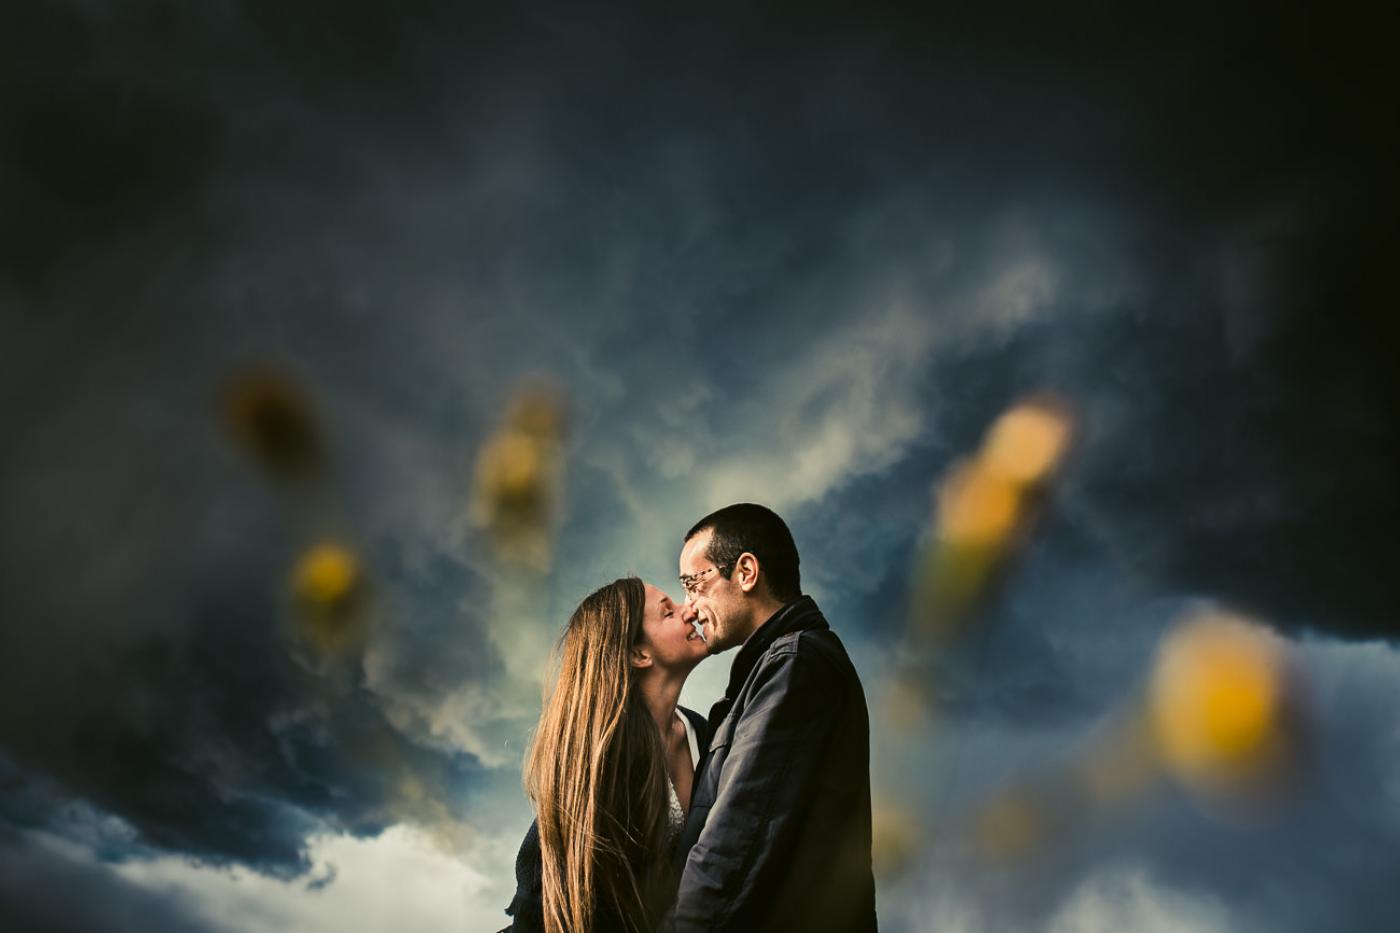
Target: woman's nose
[[688, 613]]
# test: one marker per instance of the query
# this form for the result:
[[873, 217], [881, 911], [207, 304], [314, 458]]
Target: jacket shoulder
[[820, 650], [812, 664]]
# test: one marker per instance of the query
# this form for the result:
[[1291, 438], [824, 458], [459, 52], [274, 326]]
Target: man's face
[[718, 602]]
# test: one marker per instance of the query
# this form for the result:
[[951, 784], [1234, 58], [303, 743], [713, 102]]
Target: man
[[778, 835]]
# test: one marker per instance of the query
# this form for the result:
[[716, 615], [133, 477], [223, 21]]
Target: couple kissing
[[651, 817]]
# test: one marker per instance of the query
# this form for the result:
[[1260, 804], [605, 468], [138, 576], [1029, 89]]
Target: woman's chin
[[701, 653]]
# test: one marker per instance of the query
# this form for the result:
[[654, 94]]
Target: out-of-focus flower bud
[[977, 507], [269, 415], [1219, 699], [329, 591], [519, 475], [896, 839], [986, 506], [1010, 826], [1027, 443]]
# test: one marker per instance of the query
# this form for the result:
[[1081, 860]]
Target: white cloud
[[1345, 678], [846, 406], [1118, 897], [1125, 898], [851, 396], [1026, 283], [400, 880]]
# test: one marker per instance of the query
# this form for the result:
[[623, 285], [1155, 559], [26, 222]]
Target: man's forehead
[[693, 551]]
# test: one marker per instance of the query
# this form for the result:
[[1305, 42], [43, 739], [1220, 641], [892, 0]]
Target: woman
[[611, 767]]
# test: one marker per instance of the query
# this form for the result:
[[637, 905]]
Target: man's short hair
[[759, 531]]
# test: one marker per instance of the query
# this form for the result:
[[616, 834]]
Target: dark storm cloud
[[45, 885], [1238, 407], [1263, 475], [1258, 469], [215, 743], [149, 652], [147, 668], [95, 150], [413, 206]]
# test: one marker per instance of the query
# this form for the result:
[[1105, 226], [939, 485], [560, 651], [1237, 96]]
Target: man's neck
[[764, 608]]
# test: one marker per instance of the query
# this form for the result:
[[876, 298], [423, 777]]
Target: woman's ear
[[640, 656]]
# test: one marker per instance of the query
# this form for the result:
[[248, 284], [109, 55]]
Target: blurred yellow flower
[[1010, 826], [1028, 441], [977, 506], [519, 479], [1217, 697], [325, 574], [272, 418]]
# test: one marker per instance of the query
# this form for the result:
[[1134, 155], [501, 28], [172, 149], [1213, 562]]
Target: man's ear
[[640, 656], [747, 569]]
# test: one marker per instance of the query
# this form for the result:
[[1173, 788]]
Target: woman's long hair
[[596, 773]]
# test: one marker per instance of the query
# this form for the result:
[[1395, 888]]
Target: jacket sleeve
[[769, 781]]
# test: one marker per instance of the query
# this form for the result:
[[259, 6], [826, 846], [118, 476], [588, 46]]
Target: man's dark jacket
[[778, 836], [527, 907]]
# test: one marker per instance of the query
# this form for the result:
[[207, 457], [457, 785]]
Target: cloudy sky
[[765, 256]]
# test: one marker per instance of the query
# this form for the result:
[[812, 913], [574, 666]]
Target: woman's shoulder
[[529, 853], [527, 907], [701, 726]]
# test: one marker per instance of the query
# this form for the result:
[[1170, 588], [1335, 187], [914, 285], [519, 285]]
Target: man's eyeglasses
[[690, 582]]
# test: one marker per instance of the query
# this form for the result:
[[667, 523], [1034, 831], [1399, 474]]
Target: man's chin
[[715, 643]]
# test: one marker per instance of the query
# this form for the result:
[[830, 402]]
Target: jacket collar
[[801, 614]]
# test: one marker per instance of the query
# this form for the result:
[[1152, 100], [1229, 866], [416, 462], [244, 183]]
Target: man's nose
[[688, 613]]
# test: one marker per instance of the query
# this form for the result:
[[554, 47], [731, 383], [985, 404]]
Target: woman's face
[[667, 633]]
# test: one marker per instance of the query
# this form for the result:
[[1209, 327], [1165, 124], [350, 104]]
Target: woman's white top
[[677, 816]]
